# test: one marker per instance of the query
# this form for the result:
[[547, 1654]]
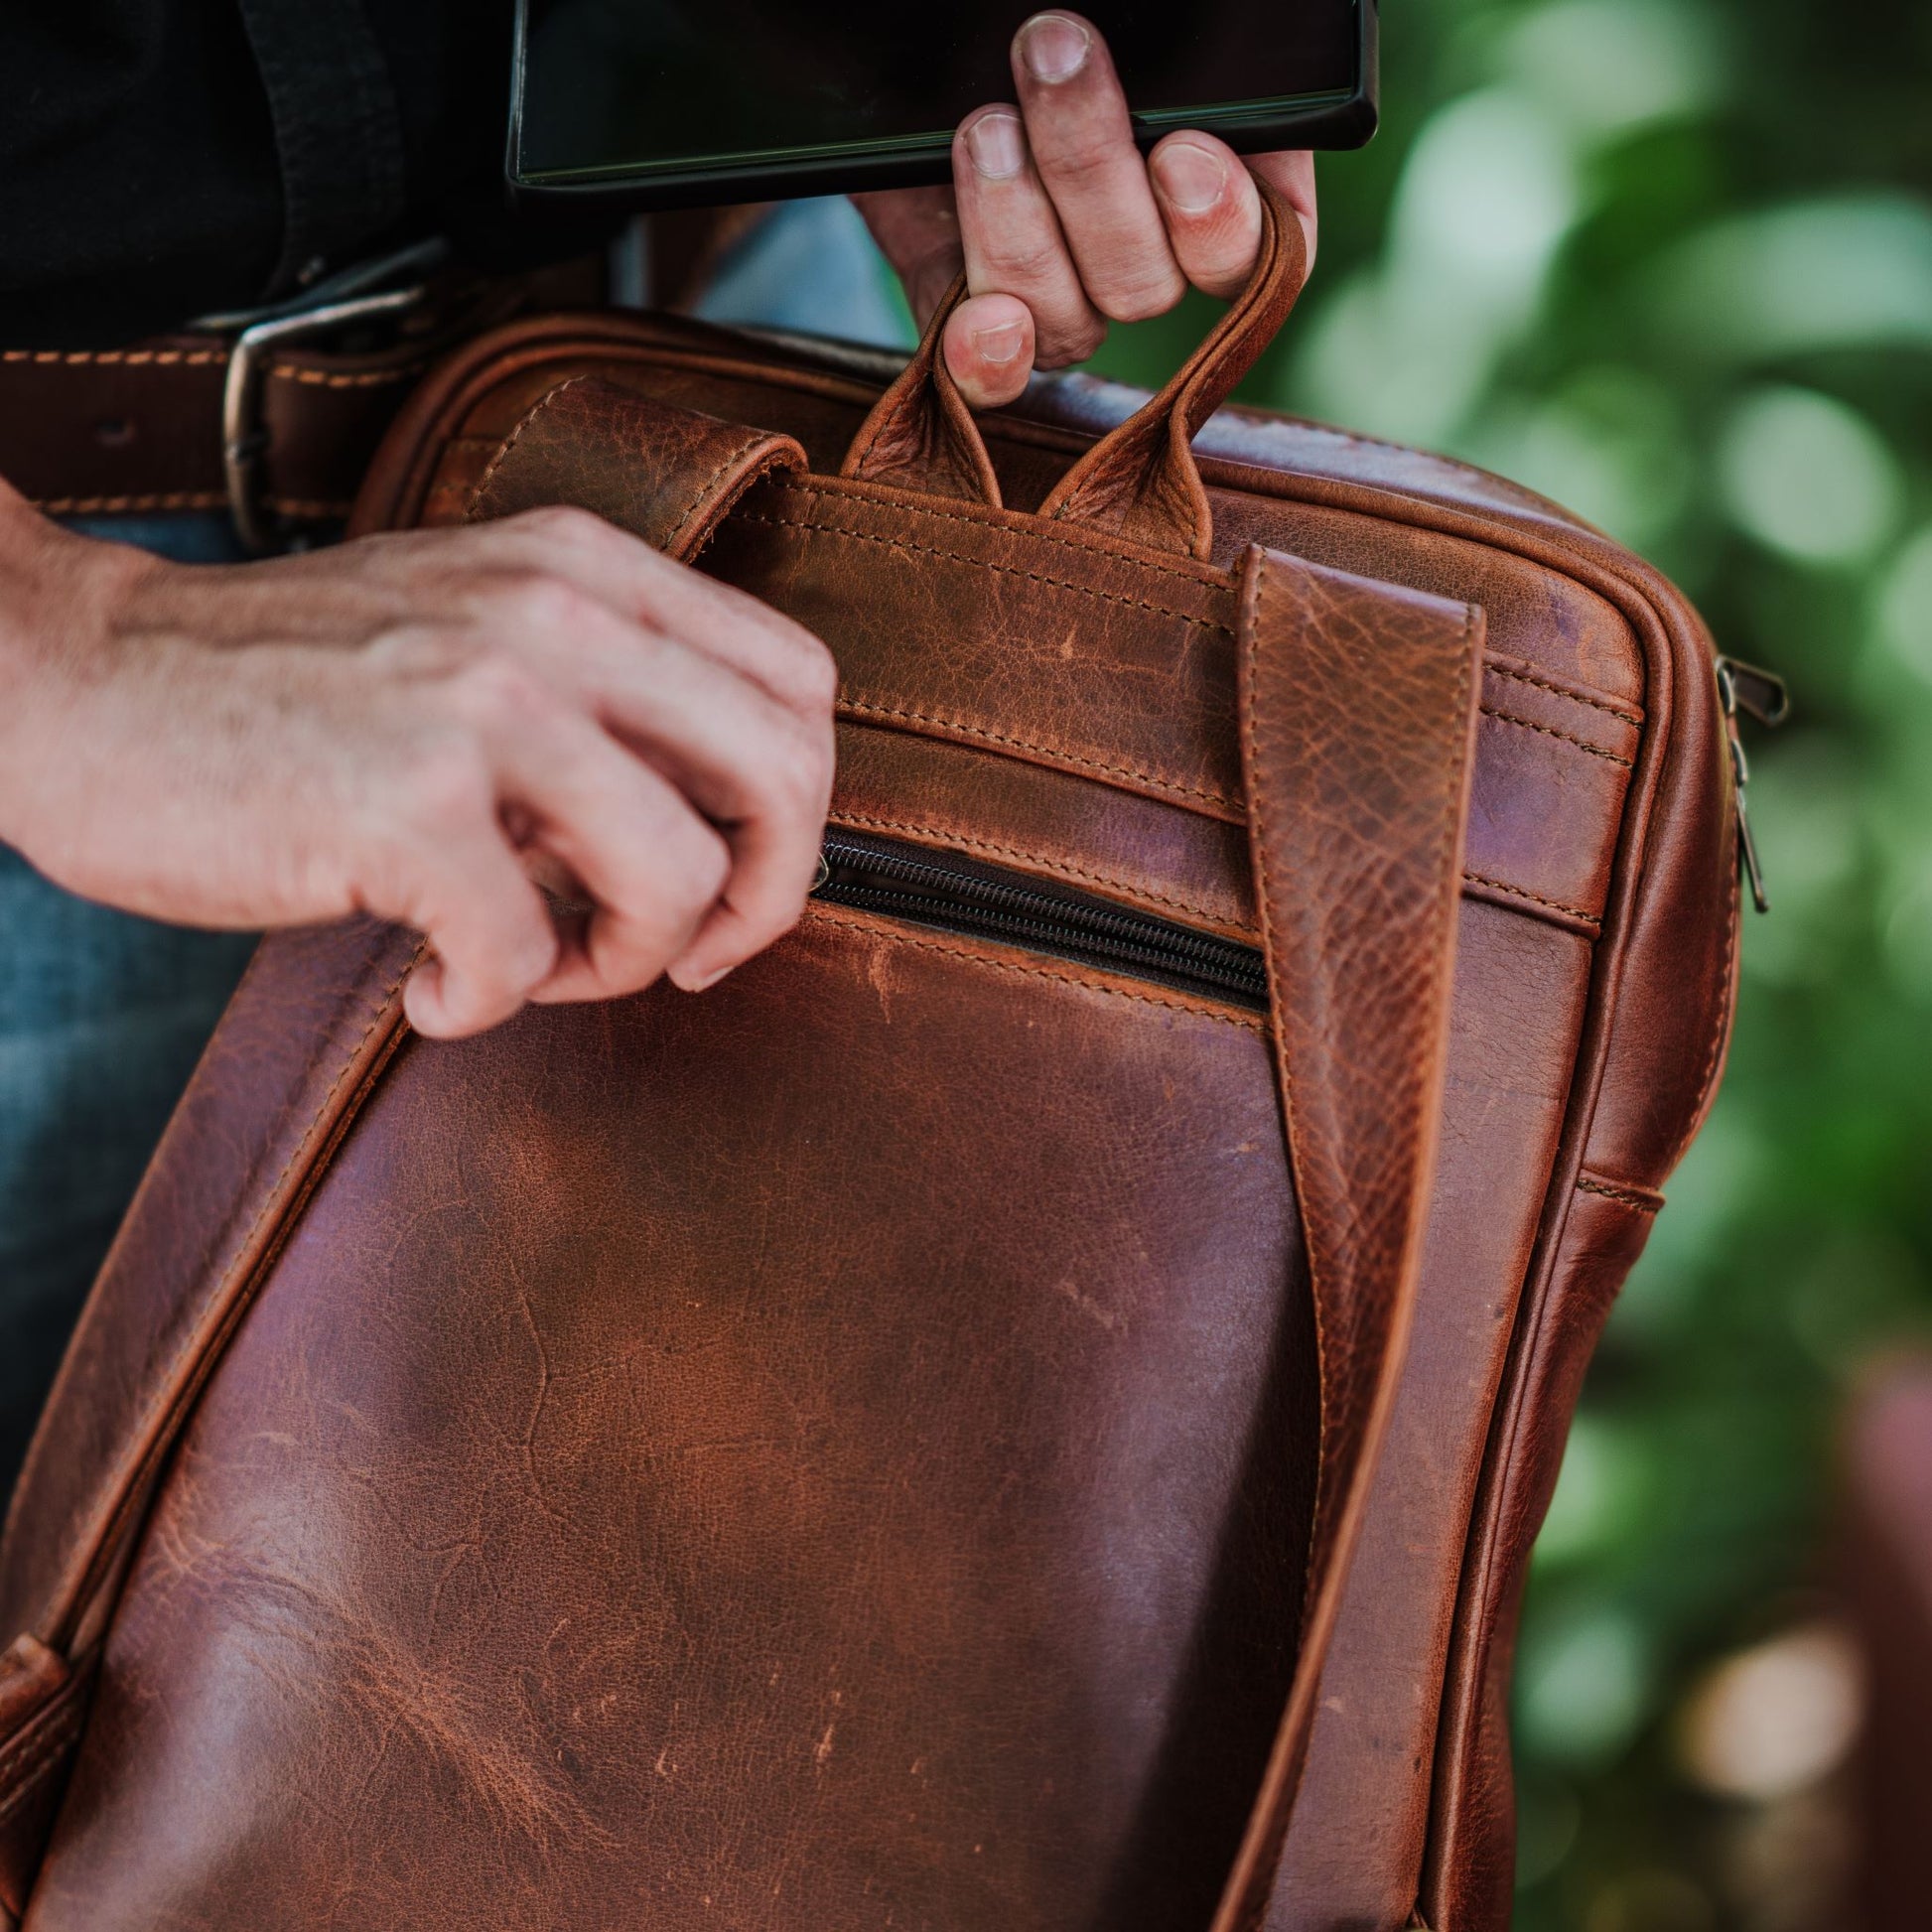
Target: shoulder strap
[[1358, 713]]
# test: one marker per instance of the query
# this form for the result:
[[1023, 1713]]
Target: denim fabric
[[811, 266], [102, 1016]]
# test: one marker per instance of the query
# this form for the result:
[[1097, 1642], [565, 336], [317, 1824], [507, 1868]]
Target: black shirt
[[163, 158]]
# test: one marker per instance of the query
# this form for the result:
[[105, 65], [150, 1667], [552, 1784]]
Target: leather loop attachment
[[1358, 751], [665, 474], [920, 434], [1140, 480]]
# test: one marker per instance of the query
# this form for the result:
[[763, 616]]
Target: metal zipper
[[929, 889], [1762, 695]]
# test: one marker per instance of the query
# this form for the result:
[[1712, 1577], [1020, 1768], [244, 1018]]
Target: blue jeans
[[102, 1016]]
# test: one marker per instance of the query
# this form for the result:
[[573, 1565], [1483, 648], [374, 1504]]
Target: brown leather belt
[[276, 421]]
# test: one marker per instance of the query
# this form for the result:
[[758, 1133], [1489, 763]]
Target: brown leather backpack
[[919, 1436]]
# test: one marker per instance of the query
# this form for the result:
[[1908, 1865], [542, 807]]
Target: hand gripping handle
[[1139, 481]]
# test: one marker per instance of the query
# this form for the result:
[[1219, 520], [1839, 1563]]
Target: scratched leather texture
[[848, 1448]]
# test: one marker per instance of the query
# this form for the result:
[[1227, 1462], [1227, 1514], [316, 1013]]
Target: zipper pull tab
[[1761, 695]]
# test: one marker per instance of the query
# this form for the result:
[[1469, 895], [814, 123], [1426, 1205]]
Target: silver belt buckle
[[390, 286]]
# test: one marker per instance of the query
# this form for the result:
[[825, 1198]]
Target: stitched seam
[[60, 1714], [1520, 892], [36, 1774], [739, 451], [865, 707], [32, 1772], [186, 499], [173, 499], [57, 1711], [125, 357], [510, 442], [881, 930], [1556, 690], [308, 506], [1569, 738], [1041, 536], [1623, 1194], [1251, 611], [980, 562], [131, 1460], [1058, 867], [360, 379]]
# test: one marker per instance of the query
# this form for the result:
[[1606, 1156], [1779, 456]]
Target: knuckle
[[701, 862], [563, 524], [816, 675], [1026, 258], [1082, 160], [1136, 298], [445, 788], [543, 604], [1071, 343], [797, 771], [495, 693]]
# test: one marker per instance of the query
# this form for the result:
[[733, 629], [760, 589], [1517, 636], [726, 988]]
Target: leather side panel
[[1471, 1882]]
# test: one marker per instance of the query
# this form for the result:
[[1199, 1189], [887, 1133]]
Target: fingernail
[[687, 982], [1000, 344], [1192, 179], [1054, 47], [994, 143]]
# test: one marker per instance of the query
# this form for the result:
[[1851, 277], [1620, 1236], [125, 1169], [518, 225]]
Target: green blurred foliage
[[1670, 262]]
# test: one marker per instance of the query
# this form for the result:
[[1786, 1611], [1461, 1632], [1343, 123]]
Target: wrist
[[58, 594]]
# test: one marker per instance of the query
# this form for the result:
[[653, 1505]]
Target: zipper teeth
[[1019, 911]]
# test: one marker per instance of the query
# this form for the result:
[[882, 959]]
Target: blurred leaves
[[1670, 261]]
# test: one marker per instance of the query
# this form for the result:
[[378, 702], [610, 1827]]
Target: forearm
[[57, 593]]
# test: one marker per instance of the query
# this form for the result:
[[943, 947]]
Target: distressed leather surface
[[319, 1697]]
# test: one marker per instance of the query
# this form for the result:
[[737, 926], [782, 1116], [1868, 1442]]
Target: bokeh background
[[1670, 262]]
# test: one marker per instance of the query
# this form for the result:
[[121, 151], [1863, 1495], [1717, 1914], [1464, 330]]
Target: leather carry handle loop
[[920, 435], [1140, 480], [1358, 748]]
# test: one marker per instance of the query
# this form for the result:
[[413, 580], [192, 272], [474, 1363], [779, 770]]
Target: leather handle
[[1140, 480], [920, 435], [1359, 744]]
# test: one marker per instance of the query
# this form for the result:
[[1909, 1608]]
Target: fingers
[[1082, 145], [641, 586], [457, 882], [1290, 174], [758, 772], [1013, 240], [990, 347], [712, 694], [1212, 209], [650, 864]]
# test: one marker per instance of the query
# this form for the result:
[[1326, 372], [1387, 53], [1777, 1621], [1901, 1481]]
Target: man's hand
[[419, 725], [1061, 225]]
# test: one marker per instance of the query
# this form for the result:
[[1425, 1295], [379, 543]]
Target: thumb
[[988, 348]]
